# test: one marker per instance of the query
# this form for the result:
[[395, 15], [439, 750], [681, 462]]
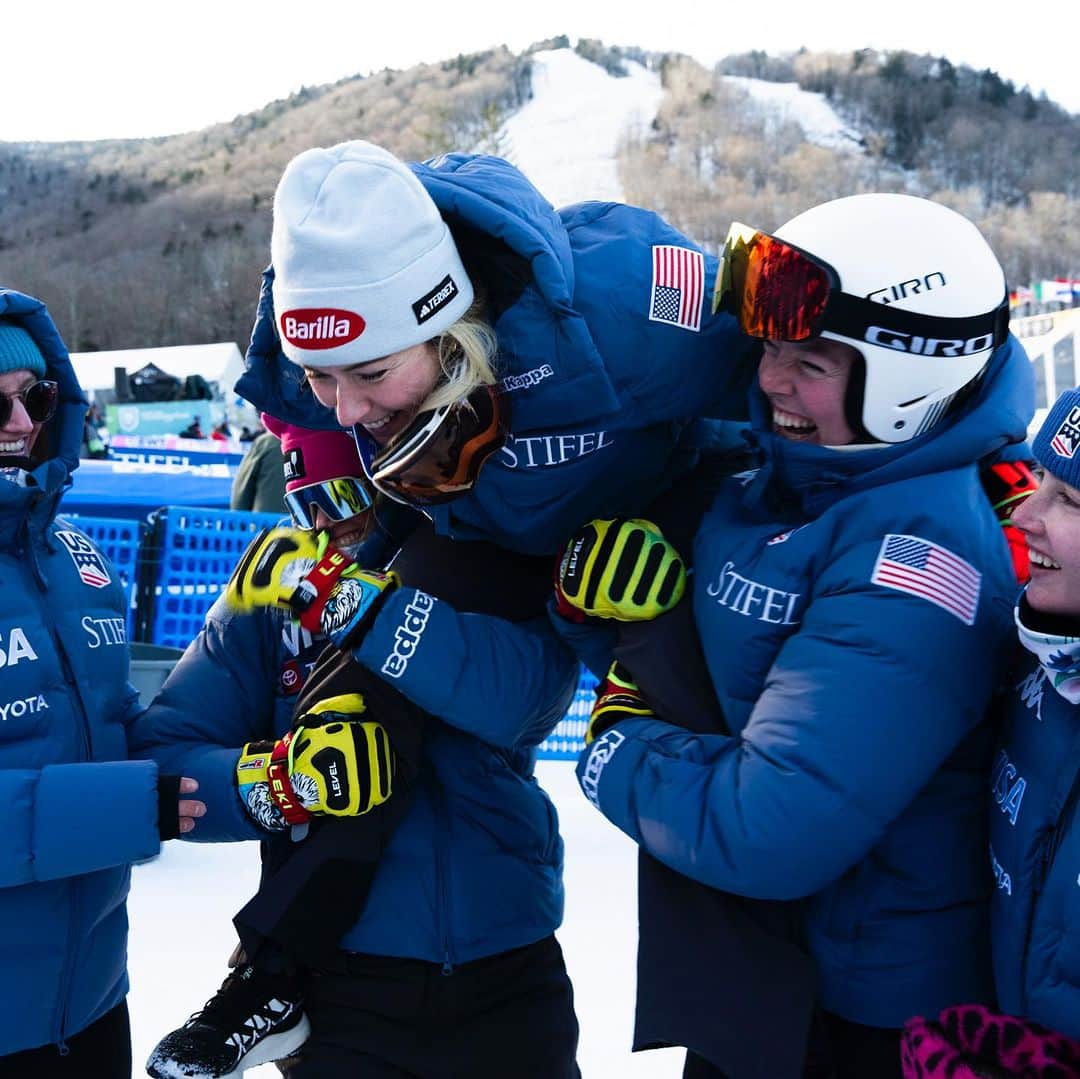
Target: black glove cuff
[[168, 818]]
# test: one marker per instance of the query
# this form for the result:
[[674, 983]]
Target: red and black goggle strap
[[39, 399], [779, 292]]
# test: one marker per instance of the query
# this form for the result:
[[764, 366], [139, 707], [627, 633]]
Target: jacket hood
[[813, 477], [510, 238], [64, 430]]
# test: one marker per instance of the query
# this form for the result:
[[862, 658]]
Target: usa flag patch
[[678, 286], [925, 569], [87, 559]]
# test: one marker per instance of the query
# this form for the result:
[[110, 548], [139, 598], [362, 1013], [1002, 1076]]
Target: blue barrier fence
[[175, 567]]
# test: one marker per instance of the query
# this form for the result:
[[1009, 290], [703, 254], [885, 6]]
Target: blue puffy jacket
[[857, 688], [600, 381], [1035, 853], [475, 867], [76, 811]]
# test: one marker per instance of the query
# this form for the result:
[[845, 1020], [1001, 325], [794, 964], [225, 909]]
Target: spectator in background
[[221, 432], [93, 445], [259, 483], [77, 811], [194, 429]]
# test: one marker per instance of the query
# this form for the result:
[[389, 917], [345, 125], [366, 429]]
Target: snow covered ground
[[787, 101], [181, 934], [565, 138]]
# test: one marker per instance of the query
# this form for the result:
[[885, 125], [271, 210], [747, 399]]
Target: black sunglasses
[[39, 399]]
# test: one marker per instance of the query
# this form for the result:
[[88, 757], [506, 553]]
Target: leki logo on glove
[[320, 327]]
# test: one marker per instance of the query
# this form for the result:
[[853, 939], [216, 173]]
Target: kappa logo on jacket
[[602, 751], [407, 635], [17, 648], [87, 558], [1031, 690]]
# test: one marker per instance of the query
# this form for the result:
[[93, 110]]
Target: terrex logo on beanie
[[430, 302], [320, 327]]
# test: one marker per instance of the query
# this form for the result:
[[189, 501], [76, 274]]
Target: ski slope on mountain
[[788, 101], [565, 138]]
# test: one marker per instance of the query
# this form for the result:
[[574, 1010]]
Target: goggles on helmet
[[779, 292], [439, 455], [39, 399], [339, 499]]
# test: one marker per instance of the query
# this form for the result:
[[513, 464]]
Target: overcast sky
[[115, 68]]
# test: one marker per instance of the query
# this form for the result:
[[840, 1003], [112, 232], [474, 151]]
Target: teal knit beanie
[[19, 350]]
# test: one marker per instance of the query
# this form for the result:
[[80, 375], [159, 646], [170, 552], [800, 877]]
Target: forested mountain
[[970, 139], [161, 241]]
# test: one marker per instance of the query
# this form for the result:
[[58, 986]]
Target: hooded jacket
[[854, 608], [1035, 851], [600, 379], [76, 811]]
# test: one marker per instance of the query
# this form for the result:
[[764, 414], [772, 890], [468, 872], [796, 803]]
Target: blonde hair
[[466, 356]]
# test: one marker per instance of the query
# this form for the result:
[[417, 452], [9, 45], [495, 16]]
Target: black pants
[[838, 1049], [101, 1051], [386, 1018]]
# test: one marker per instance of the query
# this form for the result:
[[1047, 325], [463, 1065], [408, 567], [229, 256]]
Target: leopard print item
[[970, 1041]]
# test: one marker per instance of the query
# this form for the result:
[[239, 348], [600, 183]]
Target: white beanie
[[364, 264]]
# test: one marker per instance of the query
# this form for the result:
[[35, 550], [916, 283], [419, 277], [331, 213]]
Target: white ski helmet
[[944, 305]]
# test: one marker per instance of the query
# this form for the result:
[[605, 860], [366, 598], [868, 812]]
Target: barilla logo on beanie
[[1066, 438], [320, 327]]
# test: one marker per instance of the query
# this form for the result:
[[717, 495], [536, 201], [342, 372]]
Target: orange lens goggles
[[439, 456], [776, 291]]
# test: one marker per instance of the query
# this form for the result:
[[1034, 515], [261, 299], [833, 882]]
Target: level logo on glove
[[331, 764], [618, 698], [299, 571], [622, 569]]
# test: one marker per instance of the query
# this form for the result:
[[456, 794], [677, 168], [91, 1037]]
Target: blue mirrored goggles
[[339, 499]]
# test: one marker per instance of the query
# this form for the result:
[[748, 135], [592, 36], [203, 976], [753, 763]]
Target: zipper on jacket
[[69, 971], [442, 872]]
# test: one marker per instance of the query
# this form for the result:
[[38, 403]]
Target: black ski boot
[[254, 1018]]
